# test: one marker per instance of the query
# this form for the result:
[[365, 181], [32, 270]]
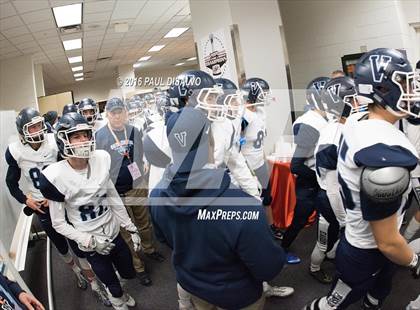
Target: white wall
[[17, 84], [39, 80], [98, 90], [319, 33]]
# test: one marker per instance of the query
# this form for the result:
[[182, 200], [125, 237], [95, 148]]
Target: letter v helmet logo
[[181, 137], [379, 63]]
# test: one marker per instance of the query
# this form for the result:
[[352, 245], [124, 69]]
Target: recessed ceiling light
[[79, 68], [156, 48], [73, 60], [72, 44], [144, 58], [79, 79], [78, 74], [68, 15], [192, 58], [136, 65], [180, 64], [175, 32]]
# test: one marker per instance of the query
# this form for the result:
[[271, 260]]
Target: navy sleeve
[[49, 191], [14, 287], [254, 239], [13, 177], [298, 166], [138, 148], [154, 154], [327, 156], [381, 155], [305, 135]]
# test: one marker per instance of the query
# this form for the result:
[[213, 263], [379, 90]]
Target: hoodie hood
[[187, 192]]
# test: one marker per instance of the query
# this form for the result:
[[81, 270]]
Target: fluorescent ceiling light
[[144, 58], [78, 74], [192, 58], [68, 15], [79, 68], [156, 48], [79, 79], [175, 32], [136, 65], [73, 60], [72, 44], [180, 64]]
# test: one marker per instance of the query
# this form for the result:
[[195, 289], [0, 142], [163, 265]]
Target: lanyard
[[126, 154]]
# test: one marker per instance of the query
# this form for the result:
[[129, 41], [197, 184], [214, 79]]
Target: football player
[[86, 208], [70, 107], [256, 93], [35, 151], [89, 110], [339, 100], [306, 130], [135, 113], [374, 164]]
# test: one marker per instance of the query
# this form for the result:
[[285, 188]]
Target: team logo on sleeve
[[379, 63], [181, 137]]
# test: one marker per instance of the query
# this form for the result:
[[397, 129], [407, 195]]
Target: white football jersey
[[138, 122], [32, 162], [226, 151], [254, 134], [413, 134], [87, 198], [326, 151], [369, 143], [315, 122]]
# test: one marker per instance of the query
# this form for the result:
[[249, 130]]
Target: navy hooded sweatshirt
[[223, 262]]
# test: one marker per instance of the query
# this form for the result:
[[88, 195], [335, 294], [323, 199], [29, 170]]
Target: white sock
[[67, 258], [317, 257], [94, 285], [412, 228], [76, 269], [331, 253]]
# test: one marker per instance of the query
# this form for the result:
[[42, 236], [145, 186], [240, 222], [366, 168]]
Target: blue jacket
[[218, 260], [10, 291]]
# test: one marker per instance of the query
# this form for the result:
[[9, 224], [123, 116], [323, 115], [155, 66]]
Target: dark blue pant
[[323, 207], [364, 271], [305, 206], [59, 241], [103, 266], [264, 178]]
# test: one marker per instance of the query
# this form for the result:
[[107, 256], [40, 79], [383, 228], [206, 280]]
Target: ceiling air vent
[[70, 29]]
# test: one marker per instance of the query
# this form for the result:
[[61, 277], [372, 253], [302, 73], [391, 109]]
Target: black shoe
[[144, 278], [367, 305], [321, 276], [278, 234], [155, 256]]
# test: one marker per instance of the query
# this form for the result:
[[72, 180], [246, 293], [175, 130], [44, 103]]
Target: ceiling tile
[[14, 32], [99, 6], [27, 44], [21, 39], [37, 16], [55, 3], [23, 6], [7, 10], [96, 17], [10, 22], [45, 34], [40, 26], [127, 9]]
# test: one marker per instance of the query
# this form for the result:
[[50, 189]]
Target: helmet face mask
[[90, 114], [409, 101], [207, 101], [36, 136], [234, 105], [77, 149]]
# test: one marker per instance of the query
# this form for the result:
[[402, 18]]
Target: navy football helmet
[[70, 107], [69, 124], [31, 126], [339, 97], [89, 110], [256, 92], [134, 108], [313, 92], [199, 89], [386, 77]]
